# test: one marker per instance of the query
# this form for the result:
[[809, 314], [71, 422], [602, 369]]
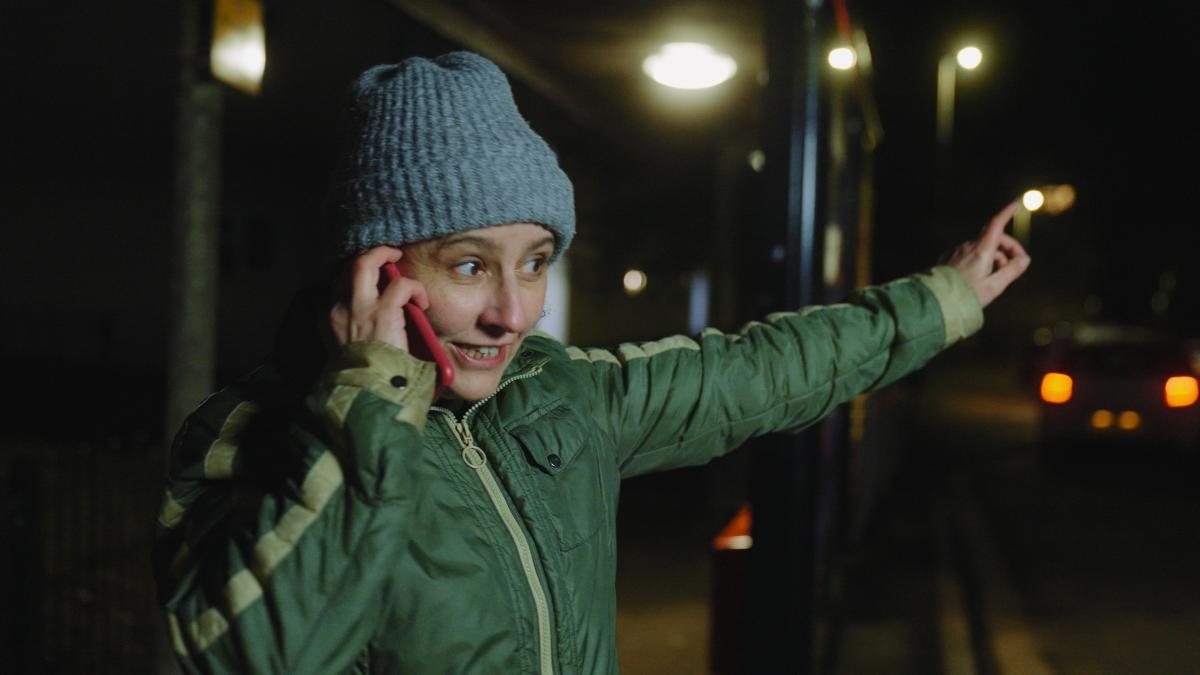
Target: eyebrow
[[482, 242]]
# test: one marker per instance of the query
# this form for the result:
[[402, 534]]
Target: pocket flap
[[552, 439]]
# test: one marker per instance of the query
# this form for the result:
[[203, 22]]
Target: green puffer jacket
[[348, 526]]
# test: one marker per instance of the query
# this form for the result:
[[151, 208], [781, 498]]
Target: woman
[[344, 520]]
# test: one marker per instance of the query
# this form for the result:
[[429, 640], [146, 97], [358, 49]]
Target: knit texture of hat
[[436, 147]]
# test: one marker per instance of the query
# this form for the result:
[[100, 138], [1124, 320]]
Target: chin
[[472, 387]]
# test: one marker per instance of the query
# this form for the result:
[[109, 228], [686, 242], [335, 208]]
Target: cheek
[[451, 311], [534, 303]]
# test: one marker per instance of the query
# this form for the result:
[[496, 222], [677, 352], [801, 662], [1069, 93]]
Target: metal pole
[[947, 72], [785, 468], [192, 303]]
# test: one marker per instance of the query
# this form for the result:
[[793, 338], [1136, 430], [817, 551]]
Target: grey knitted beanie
[[435, 147]]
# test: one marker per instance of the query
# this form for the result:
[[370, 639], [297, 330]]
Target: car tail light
[[1056, 388], [1102, 419], [1181, 391], [1129, 420]]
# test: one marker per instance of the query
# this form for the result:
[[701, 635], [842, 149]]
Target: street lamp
[[1052, 199], [1031, 201], [689, 65], [967, 58], [238, 55], [842, 58]]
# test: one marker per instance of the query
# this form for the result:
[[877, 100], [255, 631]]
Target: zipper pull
[[463, 432], [472, 455]]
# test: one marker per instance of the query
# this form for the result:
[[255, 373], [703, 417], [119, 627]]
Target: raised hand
[[363, 311], [994, 260]]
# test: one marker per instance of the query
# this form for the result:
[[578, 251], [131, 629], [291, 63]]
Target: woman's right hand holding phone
[[364, 311]]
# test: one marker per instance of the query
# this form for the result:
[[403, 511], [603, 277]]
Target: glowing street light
[[634, 282], [689, 65], [842, 58], [969, 58], [238, 54], [1049, 199]]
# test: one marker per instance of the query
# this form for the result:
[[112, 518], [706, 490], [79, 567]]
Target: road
[[1094, 568]]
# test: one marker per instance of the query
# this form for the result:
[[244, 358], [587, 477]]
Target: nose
[[506, 309]]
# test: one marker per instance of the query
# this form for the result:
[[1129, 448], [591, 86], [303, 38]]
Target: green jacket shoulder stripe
[[245, 586]]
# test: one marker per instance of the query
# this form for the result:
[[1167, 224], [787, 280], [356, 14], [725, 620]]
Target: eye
[[469, 268], [534, 265]]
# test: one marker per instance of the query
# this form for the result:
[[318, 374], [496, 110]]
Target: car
[[1117, 388]]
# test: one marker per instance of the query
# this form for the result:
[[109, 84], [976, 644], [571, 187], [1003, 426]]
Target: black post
[[192, 303], [785, 468]]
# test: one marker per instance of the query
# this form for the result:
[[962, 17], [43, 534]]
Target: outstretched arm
[[683, 401]]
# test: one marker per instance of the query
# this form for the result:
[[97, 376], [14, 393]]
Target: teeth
[[481, 352]]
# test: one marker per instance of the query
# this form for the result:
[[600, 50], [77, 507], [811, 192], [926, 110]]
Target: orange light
[[736, 535], [1129, 420], [1056, 388], [1102, 419], [1181, 391]]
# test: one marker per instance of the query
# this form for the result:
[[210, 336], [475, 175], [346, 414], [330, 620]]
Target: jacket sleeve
[[679, 402], [283, 573]]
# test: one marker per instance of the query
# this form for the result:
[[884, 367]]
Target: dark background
[[1073, 93], [1077, 93]]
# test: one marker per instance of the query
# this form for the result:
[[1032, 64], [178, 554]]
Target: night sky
[[1080, 93], [1069, 93]]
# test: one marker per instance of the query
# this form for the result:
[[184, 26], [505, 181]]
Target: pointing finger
[[995, 228]]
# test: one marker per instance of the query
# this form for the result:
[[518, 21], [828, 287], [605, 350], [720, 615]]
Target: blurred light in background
[[1032, 200], [1129, 420], [1160, 301], [832, 267], [558, 302], [735, 536], [757, 159], [1182, 391], [1056, 387], [842, 58], [634, 282], [1102, 419], [698, 302], [1043, 336], [969, 57], [1058, 198], [1167, 281], [689, 65], [239, 53]]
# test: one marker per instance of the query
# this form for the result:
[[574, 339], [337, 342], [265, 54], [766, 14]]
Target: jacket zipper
[[474, 457]]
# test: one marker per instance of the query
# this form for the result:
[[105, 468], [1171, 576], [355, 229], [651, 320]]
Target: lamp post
[[1050, 199], [1031, 201], [967, 58]]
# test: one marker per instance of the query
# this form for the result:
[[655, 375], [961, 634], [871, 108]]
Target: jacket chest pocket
[[566, 473]]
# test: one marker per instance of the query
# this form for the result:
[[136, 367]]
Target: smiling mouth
[[481, 352], [488, 356]]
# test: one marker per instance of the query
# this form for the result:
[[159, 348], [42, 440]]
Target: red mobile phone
[[422, 341]]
